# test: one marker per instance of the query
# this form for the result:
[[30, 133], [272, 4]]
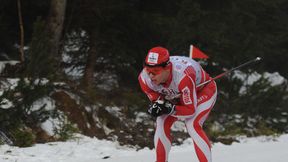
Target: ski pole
[[229, 71]]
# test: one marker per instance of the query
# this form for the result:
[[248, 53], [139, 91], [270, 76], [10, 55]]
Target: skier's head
[[157, 64]]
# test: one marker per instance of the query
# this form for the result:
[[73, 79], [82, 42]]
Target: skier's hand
[[161, 107], [155, 109], [169, 108]]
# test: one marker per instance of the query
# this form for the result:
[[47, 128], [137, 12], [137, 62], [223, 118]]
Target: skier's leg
[[162, 137], [194, 125]]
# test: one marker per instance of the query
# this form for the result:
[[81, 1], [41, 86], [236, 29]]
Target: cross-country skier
[[171, 85]]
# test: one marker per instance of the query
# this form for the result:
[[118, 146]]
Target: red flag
[[196, 53]]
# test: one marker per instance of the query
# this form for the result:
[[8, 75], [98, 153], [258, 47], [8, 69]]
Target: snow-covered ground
[[85, 149]]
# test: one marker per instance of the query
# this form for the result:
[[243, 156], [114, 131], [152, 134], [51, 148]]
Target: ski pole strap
[[229, 71]]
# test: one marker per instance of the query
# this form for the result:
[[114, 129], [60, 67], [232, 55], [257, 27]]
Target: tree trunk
[[21, 44], [88, 77], [55, 28]]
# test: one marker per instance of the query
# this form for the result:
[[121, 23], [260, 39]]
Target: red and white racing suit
[[192, 105]]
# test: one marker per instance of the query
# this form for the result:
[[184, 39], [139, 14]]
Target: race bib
[[186, 96]]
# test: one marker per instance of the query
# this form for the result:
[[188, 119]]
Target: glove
[[169, 108], [161, 107], [155, 109]]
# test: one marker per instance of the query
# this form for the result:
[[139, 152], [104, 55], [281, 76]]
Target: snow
[[48, 126], [179, 126], [85, 149], [9, 83], [75, 72], [47, 101], [274, 78], [3, 64], [249, 79], [5, 104]]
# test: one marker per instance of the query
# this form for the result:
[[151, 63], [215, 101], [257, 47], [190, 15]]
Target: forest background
[[77, 63]]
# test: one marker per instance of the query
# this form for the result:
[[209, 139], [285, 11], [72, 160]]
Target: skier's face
[[157, 75]]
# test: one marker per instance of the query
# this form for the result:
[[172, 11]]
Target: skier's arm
[[188, 99]]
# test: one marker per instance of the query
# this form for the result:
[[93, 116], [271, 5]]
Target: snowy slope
[[261, 149]]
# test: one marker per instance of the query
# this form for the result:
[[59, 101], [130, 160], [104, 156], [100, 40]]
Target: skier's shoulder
[[142, 76], [180, 63], [185, 67], [179, 58], [182, 60]]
